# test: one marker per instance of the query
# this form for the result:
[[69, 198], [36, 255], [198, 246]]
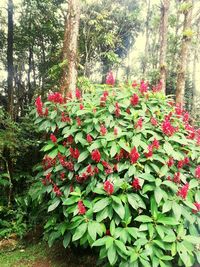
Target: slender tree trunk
[[180, 87], [163, 46], [196, 90], [146, 49], [10, 58], [69, 77]]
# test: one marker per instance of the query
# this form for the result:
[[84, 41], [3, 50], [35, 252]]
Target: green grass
[[24, 257], [40, 255]]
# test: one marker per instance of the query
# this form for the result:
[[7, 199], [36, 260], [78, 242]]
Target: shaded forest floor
[[40, 255]]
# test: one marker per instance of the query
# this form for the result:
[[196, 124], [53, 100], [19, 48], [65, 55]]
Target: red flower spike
[[74, 152], [56, 98], [81, 207], [89, 138], [96, 156], [154, 121], [53, 138], [139, 123], [117, 110], [110, 80], [134, 155], [81, 106], [115, 131], [136, 184], [197, 172], [167, 128], [143, 87], [78, 120], [134, 84], [155, 143], [134, 99], [170, 162], [103, 130], [176, 178], [57, 191], [183, 191], [150, 152], [197, 205], [108, 187], [78, 93]]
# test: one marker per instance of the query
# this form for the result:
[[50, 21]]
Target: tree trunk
[[196, 89], [180, 87], [69, 52], [10, 58], [163, 45], [146, 52]]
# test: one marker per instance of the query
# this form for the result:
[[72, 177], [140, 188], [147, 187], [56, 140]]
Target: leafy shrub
[[121, 173]]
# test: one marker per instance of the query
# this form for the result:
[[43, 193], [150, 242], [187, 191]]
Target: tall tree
[[69, 77], [163, 46], [10, 89], [186, 39]]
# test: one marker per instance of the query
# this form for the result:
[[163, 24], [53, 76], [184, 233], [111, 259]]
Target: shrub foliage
[[121, 172]]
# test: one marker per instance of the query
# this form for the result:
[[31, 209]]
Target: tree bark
[[69, 52], [180, 87], [146, 52], [10, 89], [163, 46]]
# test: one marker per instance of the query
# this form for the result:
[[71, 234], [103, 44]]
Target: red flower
[[139, 123], [183, 191], [157, 88], [108, 232], [81, 106], [117, 110], [62, 176], [108, 168], [56, 190], [150, 152], [65, 118], [70, 139], [39, 107], [134, 99], [134, 84], [170, 162], [167, 128], [56, 98], [136, 184], [143, 87], [89, 138], [103, 130], [96, 156], [155, 143], [110, 80], [197, 172], [108, 187], [78, 120], [81, 207], [178, 109], [128, 111], [78, 93], [53, 138], [176, 178], [134, 155], [74, 152], [89, 169], [197, 205], [186, 117], [154, 121], [115, 131]]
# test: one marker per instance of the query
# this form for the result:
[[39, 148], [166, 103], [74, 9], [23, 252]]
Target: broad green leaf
[[83, 156], [80, 231], [112, 255], [119, 209], [66, 240], [101, 204], [92, 230], [143, 218], [113, 150], [54, 205], [168, 221]]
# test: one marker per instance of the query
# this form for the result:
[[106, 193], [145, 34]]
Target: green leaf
[[66, 240], [119, 209], [101, 204], [160, 231], [167, 206], [177, 210], [123, 145], [121, 246], [169, 238], [100, 242], [112, 228], [131, 170], [92, 230], [53, 153], [80, 231], [163, 170], [158, 193], [147, 176], [83, 156], [168, 221], [48, 147], [143, 218], [132, 201], [112, 255], [192, 239], [168, 148], [113, 150], [54, 205]]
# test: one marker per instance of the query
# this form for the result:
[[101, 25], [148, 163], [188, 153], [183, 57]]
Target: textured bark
[[186, 40], [10, 58], [196, 90], [163, 45], [146, 49], [69, 52]]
